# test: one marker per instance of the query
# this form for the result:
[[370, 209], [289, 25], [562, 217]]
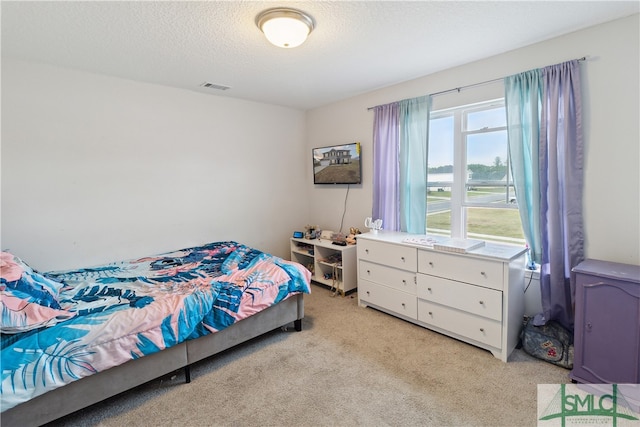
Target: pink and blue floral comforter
[[61, 326]]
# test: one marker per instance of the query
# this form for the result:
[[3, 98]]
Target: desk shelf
[[331, 265]]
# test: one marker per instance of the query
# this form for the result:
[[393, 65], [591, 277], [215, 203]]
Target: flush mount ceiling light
[[285, 27]]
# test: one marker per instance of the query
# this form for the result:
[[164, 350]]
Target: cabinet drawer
[[473, 299], [385, 297], [397, 256], [462, 268], [398, 279], [474, 327]]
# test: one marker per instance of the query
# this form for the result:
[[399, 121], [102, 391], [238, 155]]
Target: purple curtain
[[561, 182], [386, 171]]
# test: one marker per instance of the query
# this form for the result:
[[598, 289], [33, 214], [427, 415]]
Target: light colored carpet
[[350, 366]]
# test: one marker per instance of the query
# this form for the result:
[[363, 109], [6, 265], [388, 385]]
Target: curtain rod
[[458, 89]]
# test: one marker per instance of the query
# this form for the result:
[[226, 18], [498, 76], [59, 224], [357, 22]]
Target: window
[[470, 190]]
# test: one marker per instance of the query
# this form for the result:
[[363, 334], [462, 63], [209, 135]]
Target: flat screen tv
[[337, 164]]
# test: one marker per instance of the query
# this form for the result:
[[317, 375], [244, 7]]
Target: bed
[[73, 338]]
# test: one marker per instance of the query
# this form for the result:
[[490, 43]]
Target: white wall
[[96, 169], [611, 133], [532, 293]]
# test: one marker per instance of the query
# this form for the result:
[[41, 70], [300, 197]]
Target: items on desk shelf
[[303, 247], [351, 238], [312, 231], [335, 258], [326, 235]]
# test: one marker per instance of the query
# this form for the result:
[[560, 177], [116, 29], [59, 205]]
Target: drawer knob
[[430, 313], [367, 292], [483, 273], [481, 329], [481, 302], [402, 258], [368, 271], [429, 289], [404, 282], [366, 250], [403, 306], [430, 264], [589, 325]]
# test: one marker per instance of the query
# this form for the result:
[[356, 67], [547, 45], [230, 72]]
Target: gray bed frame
[[95, 388]]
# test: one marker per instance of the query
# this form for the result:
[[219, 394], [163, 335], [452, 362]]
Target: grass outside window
[[500, 225]]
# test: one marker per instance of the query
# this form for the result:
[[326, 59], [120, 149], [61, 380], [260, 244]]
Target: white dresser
[[476, 297]]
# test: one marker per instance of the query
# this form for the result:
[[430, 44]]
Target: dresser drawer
[[385, 297], [398, 279], [470, 326], [470, 298], [403, 257], [482, 272]]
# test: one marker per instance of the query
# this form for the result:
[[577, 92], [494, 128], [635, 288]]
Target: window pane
[[440, 175], [488, 176], [468, 159], [441, 145], [489, 118], [439, 222], [501, 225]]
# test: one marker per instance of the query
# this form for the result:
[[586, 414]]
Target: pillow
[[20, 315], [24, 282], [28, 300]]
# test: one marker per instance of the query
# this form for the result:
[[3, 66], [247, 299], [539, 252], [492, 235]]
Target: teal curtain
[[523, 95], [414, 131]]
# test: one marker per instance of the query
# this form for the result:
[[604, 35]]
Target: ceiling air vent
[[215, 86]]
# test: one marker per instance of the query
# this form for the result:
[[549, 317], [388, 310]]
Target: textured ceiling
[[355, 48]]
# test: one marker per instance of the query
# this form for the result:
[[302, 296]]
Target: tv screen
[[337, 164]]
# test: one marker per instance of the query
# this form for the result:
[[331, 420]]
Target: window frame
[[460, 203]]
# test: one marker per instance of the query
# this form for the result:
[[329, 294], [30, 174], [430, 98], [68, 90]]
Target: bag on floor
[[550, 342]]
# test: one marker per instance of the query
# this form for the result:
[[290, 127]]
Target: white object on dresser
[[331, 265], [476, 297]]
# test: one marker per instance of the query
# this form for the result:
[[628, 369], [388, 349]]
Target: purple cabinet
[[607, 323]]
